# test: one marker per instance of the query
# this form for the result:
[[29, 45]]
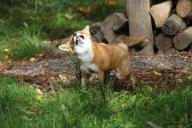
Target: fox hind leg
[[124, 76], [101, 84]]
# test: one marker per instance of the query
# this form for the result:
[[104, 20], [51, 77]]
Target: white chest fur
[[85, 54], [84, 51]]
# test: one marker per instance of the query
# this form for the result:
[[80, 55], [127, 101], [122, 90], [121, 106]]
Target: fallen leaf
[[39, 97], [13, 38], [33, 59], [6, 50], [26, 25], [157, 73], [3, 68], [85, 10], [7, 53], [189, 77], [111, 2], [6, 57], [149, 88], [180, 80], [40, 55], [39, 92], [68, 16]]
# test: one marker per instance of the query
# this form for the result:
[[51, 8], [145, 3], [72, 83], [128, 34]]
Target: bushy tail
[[131, 41]]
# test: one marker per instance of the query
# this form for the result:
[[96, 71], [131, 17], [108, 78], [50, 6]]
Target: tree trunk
[[184, 39], [184, 8], [160, 12], [140, 22]]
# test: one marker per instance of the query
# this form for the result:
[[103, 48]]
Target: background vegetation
[[37, 20], [24, 25]]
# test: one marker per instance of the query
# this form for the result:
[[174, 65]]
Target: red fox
[[100, 57]]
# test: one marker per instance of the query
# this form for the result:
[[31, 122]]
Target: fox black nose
[[75, 34]]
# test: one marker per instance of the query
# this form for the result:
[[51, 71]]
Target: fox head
[[79, 41]]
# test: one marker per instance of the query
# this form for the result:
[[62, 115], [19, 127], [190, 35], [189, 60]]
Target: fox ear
[[63, 47], [86, 28], [68, 46]]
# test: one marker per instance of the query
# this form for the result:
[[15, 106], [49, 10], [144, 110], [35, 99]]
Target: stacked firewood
[[173, 24]]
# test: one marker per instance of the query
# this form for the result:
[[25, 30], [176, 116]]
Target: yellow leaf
[[13, 38], [111, 2], [157, 73], [32, 59], [149, 88], [85, 10], [189, 77], [6, 57], [39, 97], [6, 50], [40, 55], [39, 92], [7, 53]]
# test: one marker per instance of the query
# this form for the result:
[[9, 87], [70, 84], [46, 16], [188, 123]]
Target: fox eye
[[82, 36]]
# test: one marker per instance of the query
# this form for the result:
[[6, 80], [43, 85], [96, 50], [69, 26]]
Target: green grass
[[23, 25], [56, 18], [85, 108], [26, 45]]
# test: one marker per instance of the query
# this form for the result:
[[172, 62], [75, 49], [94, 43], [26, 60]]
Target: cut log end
[[173, 25], [183, 8], [160, 12], [163, 42], [184, 39]]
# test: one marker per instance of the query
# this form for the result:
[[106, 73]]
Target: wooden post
[[140, 22]]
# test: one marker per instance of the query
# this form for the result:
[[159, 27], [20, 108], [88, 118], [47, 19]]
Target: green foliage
[[24, 24], [85, 108], [57, 17], [14, 103], [26, 45], [49, 18]]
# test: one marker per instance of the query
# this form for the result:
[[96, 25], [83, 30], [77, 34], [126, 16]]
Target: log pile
[[113, 27], [172, 23], [108, 30]]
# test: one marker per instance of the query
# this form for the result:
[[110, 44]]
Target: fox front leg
[[84, 78]]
